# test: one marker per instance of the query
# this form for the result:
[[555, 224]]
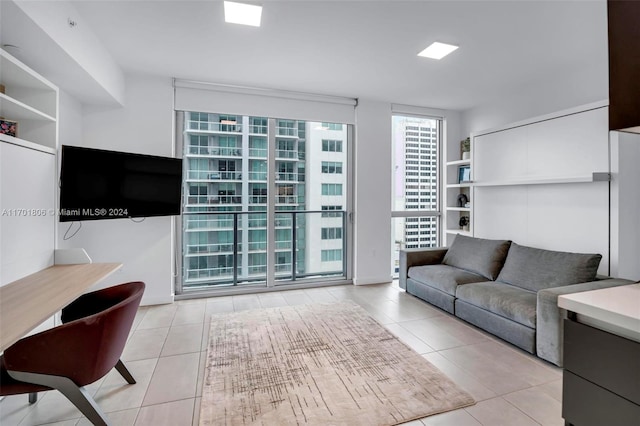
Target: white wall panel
[[27, 203], [562, 216], [501, 214]]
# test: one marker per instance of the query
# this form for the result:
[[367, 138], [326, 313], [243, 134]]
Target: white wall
[[570, 217], [144, 125], [625, 205], [547, 95], [79, 42]]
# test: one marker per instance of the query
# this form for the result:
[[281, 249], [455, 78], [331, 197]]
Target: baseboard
[[156, 300], [372, 280]]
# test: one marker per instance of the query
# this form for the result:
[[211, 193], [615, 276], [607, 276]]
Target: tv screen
[[98, 184]]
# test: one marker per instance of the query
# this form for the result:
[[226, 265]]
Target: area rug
[[325, 364]]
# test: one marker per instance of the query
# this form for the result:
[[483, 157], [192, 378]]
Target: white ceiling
[[363, 49]]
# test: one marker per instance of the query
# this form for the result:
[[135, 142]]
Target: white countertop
[[614, 309]]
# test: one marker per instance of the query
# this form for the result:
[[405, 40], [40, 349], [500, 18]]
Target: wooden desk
[[27, 302]]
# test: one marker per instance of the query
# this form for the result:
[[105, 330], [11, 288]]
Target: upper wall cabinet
[[29, 100], [624, 65]]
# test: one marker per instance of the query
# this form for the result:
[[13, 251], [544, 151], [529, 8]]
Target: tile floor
[[167, 349]]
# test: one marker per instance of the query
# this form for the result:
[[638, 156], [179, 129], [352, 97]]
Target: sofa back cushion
[[483, 257], [536, 269]]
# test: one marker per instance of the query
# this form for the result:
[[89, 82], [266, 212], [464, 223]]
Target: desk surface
[[27, 302], [615, 309]]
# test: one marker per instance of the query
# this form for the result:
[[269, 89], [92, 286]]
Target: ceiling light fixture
[[242, 13], [437, 50]]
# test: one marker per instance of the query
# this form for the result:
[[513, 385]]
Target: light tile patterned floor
[[167, 349]]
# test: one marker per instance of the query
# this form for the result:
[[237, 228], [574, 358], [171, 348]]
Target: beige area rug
[[326, 364]]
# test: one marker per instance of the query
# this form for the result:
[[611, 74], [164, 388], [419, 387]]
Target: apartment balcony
[[213, 151], [290, 177], [208, 274], [287, 199], [214, 127], [258, 152], [258, 176], [287, 154], [258, 129], [291, 246], [205, 200], [257, 199], [212, 176], [196, 224], [287, 131], [209, 249]]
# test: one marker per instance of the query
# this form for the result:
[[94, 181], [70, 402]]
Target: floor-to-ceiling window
[[265, 201], [416, 176]]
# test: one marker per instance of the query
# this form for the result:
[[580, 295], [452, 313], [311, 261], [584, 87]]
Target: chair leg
[[33, 397], [77, 395], [125, 373]]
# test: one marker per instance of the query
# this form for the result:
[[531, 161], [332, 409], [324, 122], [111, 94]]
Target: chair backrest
[[120, 305], [87, 347]]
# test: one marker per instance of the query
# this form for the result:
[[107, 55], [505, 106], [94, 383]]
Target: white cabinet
[[28, 190]]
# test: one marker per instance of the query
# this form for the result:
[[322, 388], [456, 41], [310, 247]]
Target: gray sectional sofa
[[504, 288]]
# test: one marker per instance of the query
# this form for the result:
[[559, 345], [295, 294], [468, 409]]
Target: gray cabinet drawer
[[587, 404], [605, 359]]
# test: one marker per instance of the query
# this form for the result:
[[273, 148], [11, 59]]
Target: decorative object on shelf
[[1, 88], [8, 127], [463, 200], [464, 174], [464, 223], [465, 148]]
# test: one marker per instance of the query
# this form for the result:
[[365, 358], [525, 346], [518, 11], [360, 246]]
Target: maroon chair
[[82, 350]]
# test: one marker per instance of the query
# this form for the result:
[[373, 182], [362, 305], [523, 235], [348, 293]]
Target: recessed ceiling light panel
[[242, 13], [437, 50]]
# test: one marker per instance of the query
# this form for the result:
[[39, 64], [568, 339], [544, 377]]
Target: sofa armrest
[[549, 330], [417, 257]]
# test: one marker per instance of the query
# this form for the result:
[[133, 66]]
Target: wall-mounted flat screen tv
[[99, 184]]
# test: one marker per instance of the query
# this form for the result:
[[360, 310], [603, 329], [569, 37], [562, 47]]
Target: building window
[[330, 211], [332, 126], [331, 255], [331, 233], [330, 145], [334, 167], [331, 189]]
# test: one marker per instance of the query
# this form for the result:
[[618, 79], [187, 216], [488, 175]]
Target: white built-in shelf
[[459, 162], [31, 101], [593, 177], [460, 185], [459, 231], [27, 144], [13, 109], [459, 209]]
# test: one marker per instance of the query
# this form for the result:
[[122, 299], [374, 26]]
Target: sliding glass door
[[265, 202]]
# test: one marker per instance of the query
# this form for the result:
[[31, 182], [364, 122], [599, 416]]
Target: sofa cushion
[[501, 299], [536, 269], [443, 277], [484, 257]]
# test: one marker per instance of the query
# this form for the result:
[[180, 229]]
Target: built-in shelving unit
[[28, 184], [453, 211], [30, 100]]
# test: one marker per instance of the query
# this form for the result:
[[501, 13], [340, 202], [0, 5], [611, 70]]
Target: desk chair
[[82, 350]]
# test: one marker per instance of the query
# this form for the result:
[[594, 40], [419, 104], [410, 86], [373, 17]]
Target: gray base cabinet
[[601, 380]]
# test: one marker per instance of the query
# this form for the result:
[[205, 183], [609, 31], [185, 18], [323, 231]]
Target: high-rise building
[[415, 187], [421, 180], [225, 163]]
